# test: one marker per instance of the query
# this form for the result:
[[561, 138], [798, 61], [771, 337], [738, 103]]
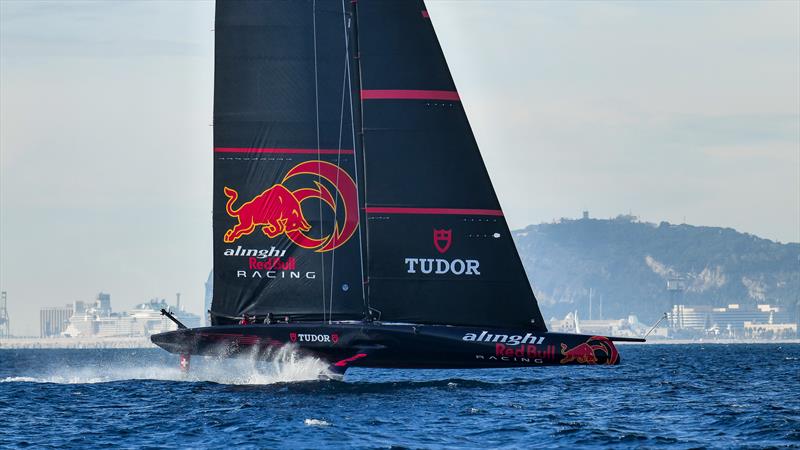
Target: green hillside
[[627, 265]]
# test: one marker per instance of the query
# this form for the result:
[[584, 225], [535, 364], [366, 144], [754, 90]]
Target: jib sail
[[440, 250], [348, 183]]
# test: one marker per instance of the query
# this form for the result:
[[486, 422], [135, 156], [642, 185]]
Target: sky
[[687, 112]]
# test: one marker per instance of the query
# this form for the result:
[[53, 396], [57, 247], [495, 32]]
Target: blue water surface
[[675, 396]]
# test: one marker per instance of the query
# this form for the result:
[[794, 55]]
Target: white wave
[[316, 423], [102, 374], [280, 366], [18, 380]]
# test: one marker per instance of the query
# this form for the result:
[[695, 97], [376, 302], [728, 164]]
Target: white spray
[[281, 365]]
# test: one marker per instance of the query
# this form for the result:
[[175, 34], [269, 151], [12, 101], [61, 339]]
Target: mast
[[354, 72]]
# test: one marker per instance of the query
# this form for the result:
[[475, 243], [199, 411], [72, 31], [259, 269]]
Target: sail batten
[[409, 94], [433, 211], [299, 151]]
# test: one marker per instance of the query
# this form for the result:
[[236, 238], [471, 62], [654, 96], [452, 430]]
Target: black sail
[[347, 181], [286, 201], [439, 248]]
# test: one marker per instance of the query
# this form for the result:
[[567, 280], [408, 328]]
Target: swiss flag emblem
[[293, 337], [442, 239]]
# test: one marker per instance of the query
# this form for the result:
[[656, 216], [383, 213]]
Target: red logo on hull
[[588, 352]]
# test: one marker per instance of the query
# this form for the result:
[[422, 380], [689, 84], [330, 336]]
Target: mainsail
[[347, 181], [286, 225]]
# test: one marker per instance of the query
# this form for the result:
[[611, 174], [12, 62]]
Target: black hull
[[377, 345]]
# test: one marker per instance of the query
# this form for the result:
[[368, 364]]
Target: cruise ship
[[98, 320]]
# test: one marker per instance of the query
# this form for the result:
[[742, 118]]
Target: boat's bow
[[181, 341]]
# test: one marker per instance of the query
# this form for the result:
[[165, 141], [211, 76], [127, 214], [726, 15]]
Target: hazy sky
[[668, 110]]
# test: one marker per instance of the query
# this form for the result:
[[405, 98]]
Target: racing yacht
[[354, 218]]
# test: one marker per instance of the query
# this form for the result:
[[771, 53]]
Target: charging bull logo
[[596, 350], [278, 211]]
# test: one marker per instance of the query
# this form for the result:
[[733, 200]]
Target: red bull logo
[[278, 210], [596, 350]]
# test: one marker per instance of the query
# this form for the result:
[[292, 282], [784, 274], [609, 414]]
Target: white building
[[733, 320], [142, 321]]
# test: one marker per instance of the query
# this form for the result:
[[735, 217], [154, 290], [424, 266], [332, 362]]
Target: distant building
[[53, 320], [209, 297], [684, 317], [604, 327], [103, 303], [566, 325], [5, 325], [628, 327], [78, 307], [770, 330], [146, 319], [731, 321], [797, 308]]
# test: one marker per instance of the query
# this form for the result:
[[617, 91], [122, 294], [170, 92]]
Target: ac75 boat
[[353, 215]]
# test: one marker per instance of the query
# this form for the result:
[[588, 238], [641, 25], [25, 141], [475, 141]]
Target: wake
[[280, 366]]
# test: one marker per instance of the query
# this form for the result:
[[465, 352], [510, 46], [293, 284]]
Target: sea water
[[674, 396]]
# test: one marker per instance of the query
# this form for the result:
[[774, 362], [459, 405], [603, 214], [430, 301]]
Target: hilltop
[[627, 264]]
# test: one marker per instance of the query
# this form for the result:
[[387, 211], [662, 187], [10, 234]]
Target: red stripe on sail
[[443, 211], [408, 94], [295, 151], [425, 15]]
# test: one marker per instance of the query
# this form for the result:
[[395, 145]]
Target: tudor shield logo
[[442, 239], [293, 337]]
